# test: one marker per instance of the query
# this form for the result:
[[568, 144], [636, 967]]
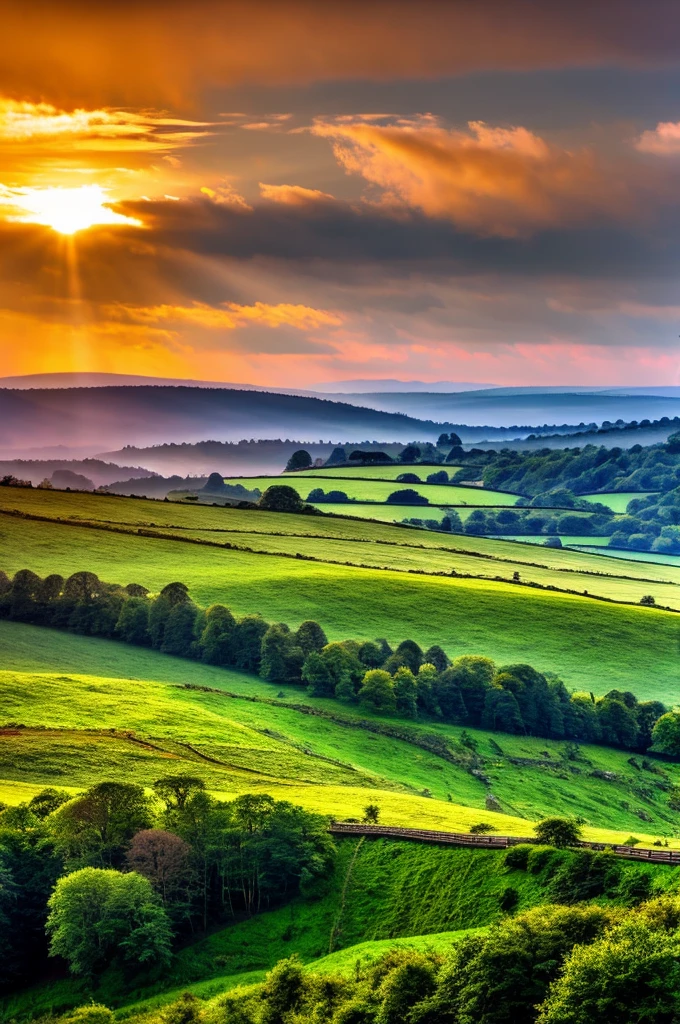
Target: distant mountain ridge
[[112, 417]]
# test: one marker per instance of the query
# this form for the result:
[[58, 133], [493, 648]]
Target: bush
[[281, 498], [508, 899], [585, 875], [540, 857], [298, 460], [408, 478], [407, 497], [517, 857]]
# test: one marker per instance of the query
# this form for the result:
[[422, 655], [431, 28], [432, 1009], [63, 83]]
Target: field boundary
[[641, 853]]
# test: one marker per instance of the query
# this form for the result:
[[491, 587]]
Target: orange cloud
[[293, 195], [492, 181], [231, 315], [131, 52], [34, 123]]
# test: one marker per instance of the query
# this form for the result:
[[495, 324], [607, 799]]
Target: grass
[[540, 538], [591, 644], [380, 490], [617, 501], [397, 513], [79, 700], [355, 472], [648, 557]]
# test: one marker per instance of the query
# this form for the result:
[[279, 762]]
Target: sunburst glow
[[67, 210]]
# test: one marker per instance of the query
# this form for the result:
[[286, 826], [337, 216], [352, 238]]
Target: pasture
[[617, 501], [387, 589], [380, 490], [86, 709]]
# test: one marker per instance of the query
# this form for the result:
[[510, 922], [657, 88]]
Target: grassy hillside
[[382, 893], [396, 584], [380, 490], [93, 709]]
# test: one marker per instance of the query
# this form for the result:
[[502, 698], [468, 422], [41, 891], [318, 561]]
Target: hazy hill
[[530, 407], [110, 417]]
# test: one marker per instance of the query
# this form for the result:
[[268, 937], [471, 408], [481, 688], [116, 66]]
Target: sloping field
[[380, 490], [388, 472], [85, 710], [617, 501]]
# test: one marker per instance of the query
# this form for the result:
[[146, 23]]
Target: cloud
[[42, 124], [226, 194], [293, 195], [231, 315], [664, 140], [487, 180], [135, 50]]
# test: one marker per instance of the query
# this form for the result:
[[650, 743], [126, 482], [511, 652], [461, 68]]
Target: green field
[[390, 472], [648, 557], [78, 699], [592, 644], [380, 490], [396, 513], [540, 538], [617, 501]]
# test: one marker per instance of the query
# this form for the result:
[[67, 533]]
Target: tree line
[[470, 690], [117, 874]]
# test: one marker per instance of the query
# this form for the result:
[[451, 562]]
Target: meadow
[[617, 501], [78, 710], [592, 644], [379, 490]]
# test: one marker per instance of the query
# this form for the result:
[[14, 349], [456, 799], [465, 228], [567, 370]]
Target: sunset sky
[[287, 193]]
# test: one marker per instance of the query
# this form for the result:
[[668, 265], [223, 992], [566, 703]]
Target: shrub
[[517, 857], [298, 460], [281, 498], [407, 497], [508, 899]]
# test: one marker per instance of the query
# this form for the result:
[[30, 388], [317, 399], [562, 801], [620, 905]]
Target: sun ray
[[65, 210]]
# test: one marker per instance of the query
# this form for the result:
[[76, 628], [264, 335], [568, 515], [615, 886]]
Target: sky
[[292, 192]]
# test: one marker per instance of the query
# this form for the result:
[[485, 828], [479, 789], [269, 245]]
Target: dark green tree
[[216, 642], [406, 692], [310, 637], [179, 633], [281, 498], [300, 459], [95, 828], [133, 622], [247, 639]]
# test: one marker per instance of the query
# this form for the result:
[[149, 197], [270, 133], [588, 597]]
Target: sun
[[67, 210]]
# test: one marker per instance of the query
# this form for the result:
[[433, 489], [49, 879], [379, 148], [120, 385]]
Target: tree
[[344, 669], [310, 637], [408, 653], [133, 622], [472, 674], [371, 654], [175, 790], [248, 642], [300, 459], [164, 859], [281, 659], [337, 457], [170, 597], [318, 676], [214, 484], [47, 801], [436, 656], [371, 814], [427, 680], [281, 498], [411, 453], [406, 692], [666, 735], [558, 832], [501, 711], [630, 975], [98, 826], [409, 982], [377, 692], [618, 724], [179, 632], [283, 991], [499, 978], [23, 596], [97, 914], [216, 643], [407, 496]]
